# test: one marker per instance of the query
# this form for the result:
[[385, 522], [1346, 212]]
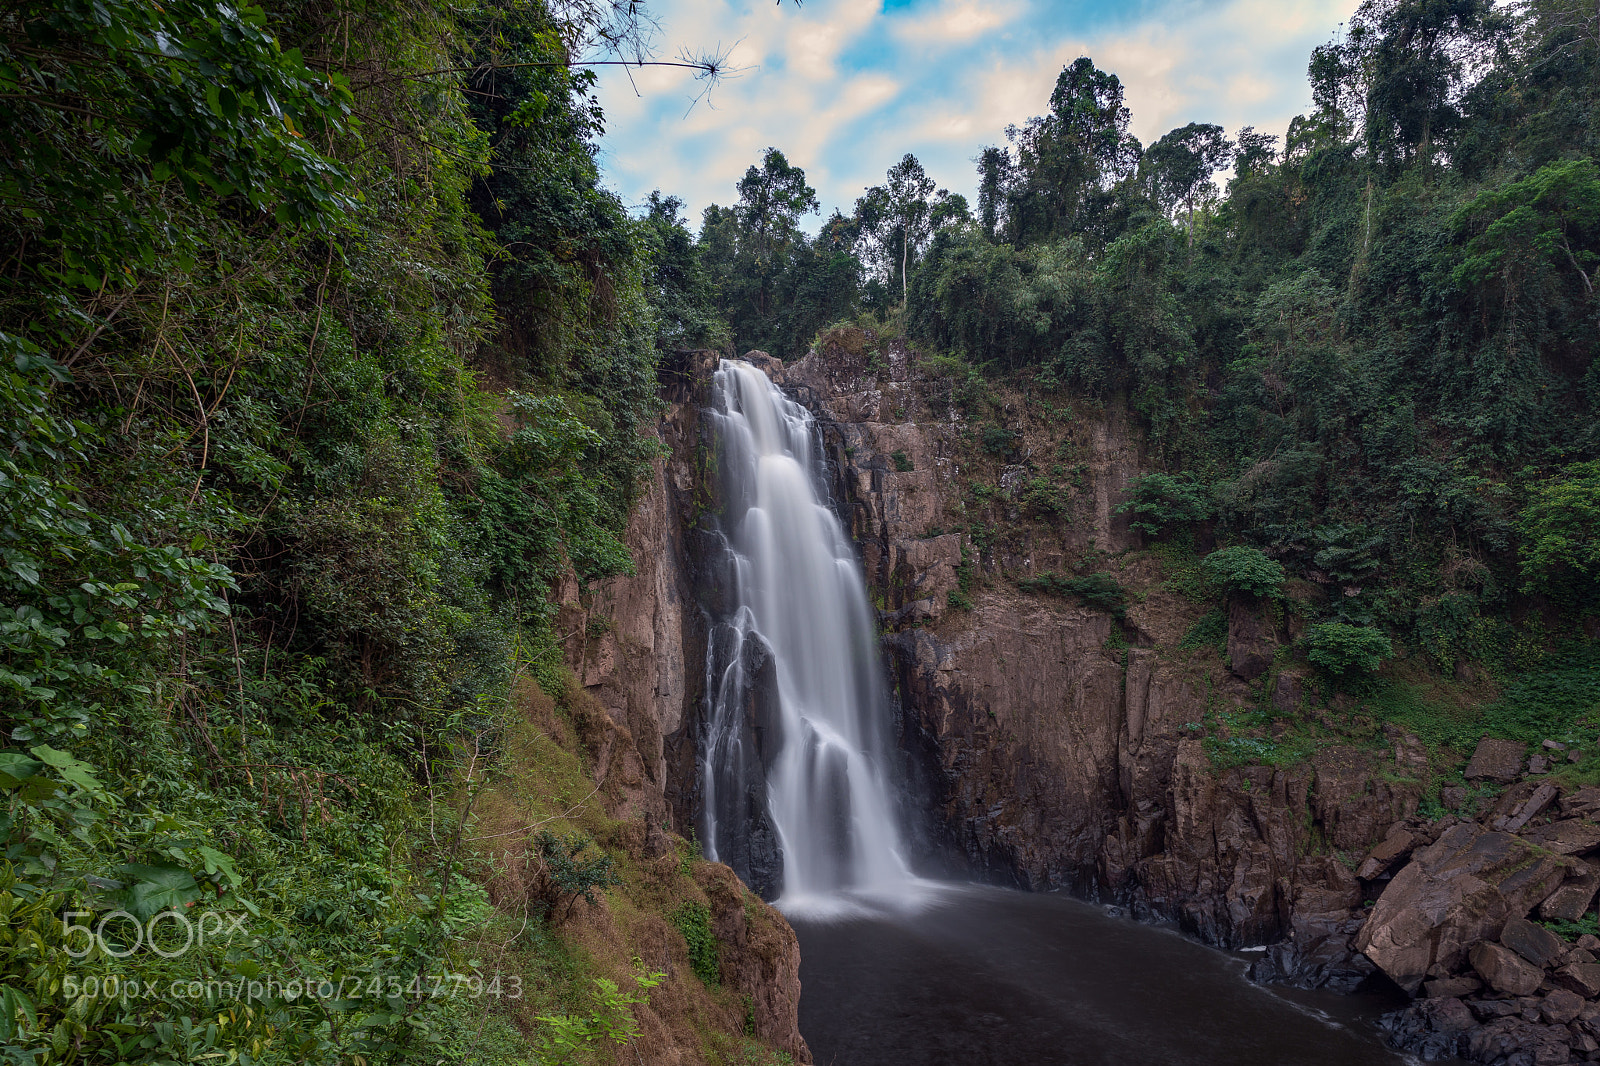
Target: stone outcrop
[[1055, 743], [1061, 746]]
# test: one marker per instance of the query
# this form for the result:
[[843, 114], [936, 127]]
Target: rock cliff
[[1057, 740], [636, 644]]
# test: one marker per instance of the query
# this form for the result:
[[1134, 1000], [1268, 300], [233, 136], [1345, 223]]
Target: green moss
[[693, 921]]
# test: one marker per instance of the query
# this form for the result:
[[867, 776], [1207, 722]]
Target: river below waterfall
[[988, 975]]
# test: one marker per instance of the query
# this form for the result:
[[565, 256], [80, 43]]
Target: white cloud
[[956, 21], [845, 90]]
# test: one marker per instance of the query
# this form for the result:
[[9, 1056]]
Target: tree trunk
[[905, 257]]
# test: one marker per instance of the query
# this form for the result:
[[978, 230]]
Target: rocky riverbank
[[1452, 925]]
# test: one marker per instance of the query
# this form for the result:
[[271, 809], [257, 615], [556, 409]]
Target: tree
[[994, 176], [1549, 220], [1180, 165], [897, 218], [1255, 152], [1063, 158], [680, 289], [1560, 528], [909, 188], [1399, 73], [772, 197]]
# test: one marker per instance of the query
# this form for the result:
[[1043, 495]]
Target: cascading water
[[796, 795]]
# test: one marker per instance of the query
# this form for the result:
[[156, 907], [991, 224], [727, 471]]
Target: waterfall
[[796, 795]]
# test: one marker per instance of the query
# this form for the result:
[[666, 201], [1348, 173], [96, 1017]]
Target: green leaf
[[71, 770], [216, 862], [16, 768], [158, 888]]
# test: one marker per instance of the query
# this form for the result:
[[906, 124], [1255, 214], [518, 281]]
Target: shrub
[[1241, 569], [1161, 502], [567, 870], [902, 462], [1344, 650], [999, 441], [1099, 590]]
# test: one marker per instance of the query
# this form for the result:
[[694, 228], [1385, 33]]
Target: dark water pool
[[986, 975]]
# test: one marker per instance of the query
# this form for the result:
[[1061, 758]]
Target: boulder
[[1487, 1009], [1561, 1007], [1533, 942], [1580, 977], [1572, 899], [1508, 1040], [1456, 891], [769, 365], [1390, 852], [1504, 970], [1530, 807], [1573, 836], [1453, 798], [1431, 1029], [1251, 645], [1583, 803], [1496, 760], [1440, 987]]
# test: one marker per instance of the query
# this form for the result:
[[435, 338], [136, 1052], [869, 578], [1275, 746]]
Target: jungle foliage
[[325, 354]]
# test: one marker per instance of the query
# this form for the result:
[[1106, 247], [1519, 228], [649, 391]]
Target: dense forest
[[328, 354], [1366, 363], [325, 353]]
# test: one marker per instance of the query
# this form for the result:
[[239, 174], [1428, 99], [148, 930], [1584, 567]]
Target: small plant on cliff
[[1588, 925], [998, 441], [1346, 651], [1247, 570], [902, 462], [1099, 590], [567, 868], [693, 920], [1210, 630]]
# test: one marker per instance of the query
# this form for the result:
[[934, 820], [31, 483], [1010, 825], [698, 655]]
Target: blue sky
[[847, 87]]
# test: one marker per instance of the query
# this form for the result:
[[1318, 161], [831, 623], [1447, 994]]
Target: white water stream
[[799, 589]]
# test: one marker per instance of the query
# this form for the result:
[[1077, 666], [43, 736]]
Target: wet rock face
[[747, 840]]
